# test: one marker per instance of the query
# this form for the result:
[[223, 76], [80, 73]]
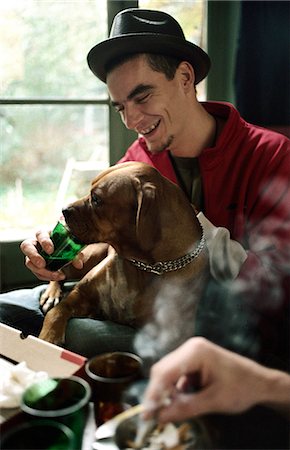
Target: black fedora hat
[[146, 31]]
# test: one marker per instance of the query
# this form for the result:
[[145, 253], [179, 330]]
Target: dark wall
[[263, 62], [13, 273]]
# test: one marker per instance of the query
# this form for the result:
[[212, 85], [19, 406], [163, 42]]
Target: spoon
[[107, 430]]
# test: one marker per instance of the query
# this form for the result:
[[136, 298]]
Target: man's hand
[[228, 383], [37, 264]]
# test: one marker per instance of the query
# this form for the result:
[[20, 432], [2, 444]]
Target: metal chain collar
[[169, 266]]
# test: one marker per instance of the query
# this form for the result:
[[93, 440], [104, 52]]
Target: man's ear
[[187, 74], [147, 223]]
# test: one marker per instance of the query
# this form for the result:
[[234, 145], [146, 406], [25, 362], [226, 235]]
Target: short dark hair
[[160, 63], [163, 64]]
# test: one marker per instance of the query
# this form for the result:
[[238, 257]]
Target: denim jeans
[[88, 337]]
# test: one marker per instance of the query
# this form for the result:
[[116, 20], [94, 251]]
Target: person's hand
[[37, 264], [228, 383]]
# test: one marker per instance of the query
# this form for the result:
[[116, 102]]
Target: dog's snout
[[67, 212]]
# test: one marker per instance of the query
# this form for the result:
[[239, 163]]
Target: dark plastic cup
[[110, 375]]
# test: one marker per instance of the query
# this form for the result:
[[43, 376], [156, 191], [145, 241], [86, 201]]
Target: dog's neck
[[161, 267], [171, 251], [170, 235], [179, 235]]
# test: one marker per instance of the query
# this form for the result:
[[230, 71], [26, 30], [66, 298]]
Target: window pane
[[38, 175], [43, 47], [191, 15], [44, 44]]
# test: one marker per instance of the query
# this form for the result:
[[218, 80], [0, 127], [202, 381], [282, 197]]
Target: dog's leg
[[51, 296], [83, 301], [53, 293], [55, 321]]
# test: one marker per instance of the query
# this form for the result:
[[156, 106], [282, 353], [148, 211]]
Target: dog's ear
[[147, 223]]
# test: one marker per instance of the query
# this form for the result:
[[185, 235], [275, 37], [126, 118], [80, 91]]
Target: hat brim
[[106, 51]]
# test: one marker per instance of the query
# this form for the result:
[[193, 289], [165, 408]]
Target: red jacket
[[246, 188]]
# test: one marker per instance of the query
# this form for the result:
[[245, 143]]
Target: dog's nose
[[67, 212]]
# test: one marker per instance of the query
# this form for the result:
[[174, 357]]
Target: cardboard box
[[39, 356]]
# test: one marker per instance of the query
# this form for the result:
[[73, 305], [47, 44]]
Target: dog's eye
[[96, 199]]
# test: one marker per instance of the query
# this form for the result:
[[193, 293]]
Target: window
[[54, 111], [55, 120]]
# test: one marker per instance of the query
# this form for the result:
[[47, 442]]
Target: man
[[236, 174]]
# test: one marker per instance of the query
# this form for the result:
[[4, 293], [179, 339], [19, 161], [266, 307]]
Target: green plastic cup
[[39, 435], [64, 400], [66, 247]]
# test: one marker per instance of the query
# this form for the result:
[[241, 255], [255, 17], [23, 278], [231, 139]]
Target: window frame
[[119, 137], [119, 140]]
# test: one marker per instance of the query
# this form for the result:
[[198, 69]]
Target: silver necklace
[[175, 264]]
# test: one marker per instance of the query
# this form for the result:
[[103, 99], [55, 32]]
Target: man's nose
[[132, 116]]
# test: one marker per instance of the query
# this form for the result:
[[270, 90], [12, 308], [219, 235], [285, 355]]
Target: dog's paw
[[50, 297]]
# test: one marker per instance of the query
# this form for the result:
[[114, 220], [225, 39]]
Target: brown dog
[[156, 240]]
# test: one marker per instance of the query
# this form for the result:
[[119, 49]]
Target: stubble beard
[[163, 146]]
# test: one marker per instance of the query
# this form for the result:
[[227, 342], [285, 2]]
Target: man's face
[[148, 102]]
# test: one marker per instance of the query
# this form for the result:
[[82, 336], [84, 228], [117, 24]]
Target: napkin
[[226, 255], [14, 379]]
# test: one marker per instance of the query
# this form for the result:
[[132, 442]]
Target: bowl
[[195, 434]]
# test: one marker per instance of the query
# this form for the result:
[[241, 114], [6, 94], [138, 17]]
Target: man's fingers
[[78, 261], [33, 259], [45, 241], [42, 273], [188, 405]]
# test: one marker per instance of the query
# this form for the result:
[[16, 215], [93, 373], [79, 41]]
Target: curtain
[[262, 83], [222, 31]]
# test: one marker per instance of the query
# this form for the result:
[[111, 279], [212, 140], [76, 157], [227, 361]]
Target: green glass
[[64, 400], [66, 247], [39, 435]]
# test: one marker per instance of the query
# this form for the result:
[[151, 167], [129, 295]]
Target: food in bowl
[[188, 435], [168, 437]]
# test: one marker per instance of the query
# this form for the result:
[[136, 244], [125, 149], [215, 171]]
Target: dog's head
[[123, 208]]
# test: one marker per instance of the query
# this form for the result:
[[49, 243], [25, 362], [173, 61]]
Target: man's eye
[[119, 108], [96, 200], [142, 99]]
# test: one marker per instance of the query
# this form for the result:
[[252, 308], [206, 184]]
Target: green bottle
[[66, 247]]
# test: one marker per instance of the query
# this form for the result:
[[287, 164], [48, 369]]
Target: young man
[[236, 174]]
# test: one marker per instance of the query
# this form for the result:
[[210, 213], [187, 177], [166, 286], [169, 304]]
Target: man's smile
[[149, 130]]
